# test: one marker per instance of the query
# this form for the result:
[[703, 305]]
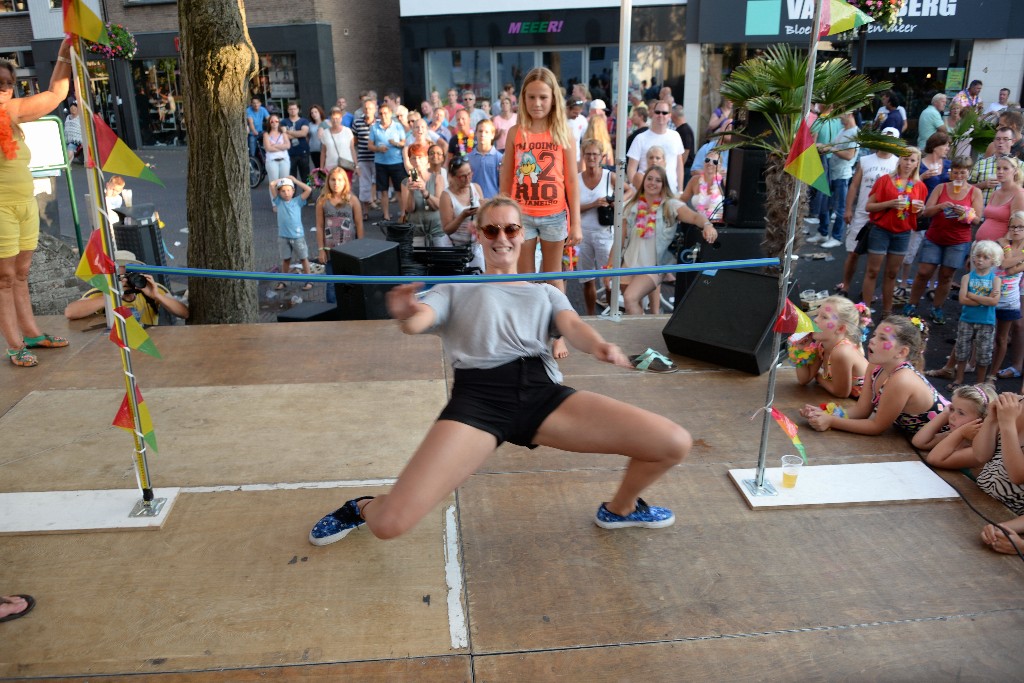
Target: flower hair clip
[[865, 320], [919, 324]]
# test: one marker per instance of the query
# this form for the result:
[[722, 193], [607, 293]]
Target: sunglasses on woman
[[491, 231]]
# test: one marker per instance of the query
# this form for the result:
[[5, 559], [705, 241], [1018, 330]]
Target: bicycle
[[257, 168]]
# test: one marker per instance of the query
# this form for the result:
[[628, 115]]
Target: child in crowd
[[655, 157], [837, 362], [979, 294], [997, 448], [485, 160], [897, 393], [949, 438], [1008, 309], [291, 238], [113, 195], [539, 172], [339, 219]]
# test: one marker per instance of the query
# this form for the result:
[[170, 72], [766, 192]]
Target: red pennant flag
[[123, 419], [793, 320], [116, 157], [804, 162], [95, 265]]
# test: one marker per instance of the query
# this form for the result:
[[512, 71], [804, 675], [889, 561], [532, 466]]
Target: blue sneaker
[[938, 316], [336, 525], [647, 516], [910, 310]]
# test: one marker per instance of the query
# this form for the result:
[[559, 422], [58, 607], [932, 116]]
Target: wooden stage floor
[[267, 427]]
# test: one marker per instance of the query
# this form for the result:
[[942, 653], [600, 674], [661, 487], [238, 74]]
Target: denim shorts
[[950, 255], [553, 228], [292, 248], [1005, 314], [881, 241]]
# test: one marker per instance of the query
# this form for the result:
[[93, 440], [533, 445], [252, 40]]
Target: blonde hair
[[496, 202], [990, 249], [915, 174], [1018, 215], [1016, 167], [978, 395], [342, 194], [848, 316], [556, 122], [597, 129]]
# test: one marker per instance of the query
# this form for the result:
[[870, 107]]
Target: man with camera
[[140, 293]]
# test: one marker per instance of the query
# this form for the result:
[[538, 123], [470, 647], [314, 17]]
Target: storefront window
[[462, 69], [275, 82], [14, 6], [158, 101]]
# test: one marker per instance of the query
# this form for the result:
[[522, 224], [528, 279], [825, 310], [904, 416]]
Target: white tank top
[[466, 232], [588, 218]]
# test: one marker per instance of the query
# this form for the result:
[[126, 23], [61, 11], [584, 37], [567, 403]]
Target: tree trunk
[[780, 188], [217, 62]]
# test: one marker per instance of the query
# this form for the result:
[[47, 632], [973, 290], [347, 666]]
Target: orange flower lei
[[7, 142], [646, 218]]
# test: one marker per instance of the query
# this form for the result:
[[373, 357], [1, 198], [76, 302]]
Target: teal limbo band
[[438, 279]]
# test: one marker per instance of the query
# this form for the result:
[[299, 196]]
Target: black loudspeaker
[[745, 185], [364, 257], [309, 311], [138, 232], [726, 318], [733, 244]]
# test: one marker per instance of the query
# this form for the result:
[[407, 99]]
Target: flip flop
[[45, 341], [18, 615], [279, 286], [1008, 372], [941, 373], [652, 361], [308, 286]]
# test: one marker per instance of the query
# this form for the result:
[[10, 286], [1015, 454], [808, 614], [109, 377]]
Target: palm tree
[[771, 87]]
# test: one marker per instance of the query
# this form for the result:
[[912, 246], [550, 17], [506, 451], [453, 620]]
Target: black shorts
[[510, 401], [393, 173]]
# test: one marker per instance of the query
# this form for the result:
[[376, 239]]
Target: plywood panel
[[220, 435], [205, 355], [540, 574], [231, 581], [975, 647]]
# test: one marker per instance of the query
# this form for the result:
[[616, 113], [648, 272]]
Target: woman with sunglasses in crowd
[[704, 190], [459, 205], [507, 387]]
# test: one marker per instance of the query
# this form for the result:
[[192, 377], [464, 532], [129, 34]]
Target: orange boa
[[7, 142]]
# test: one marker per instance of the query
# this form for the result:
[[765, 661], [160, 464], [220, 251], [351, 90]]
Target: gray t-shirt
[[485, 325]]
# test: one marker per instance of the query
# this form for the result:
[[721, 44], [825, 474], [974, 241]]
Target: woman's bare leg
[[591, 423], [551, 262]]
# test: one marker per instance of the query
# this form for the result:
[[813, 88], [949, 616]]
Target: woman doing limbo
[[507, 388]]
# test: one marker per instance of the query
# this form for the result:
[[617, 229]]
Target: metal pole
[[621, 119], [758, 486], [148, 506]]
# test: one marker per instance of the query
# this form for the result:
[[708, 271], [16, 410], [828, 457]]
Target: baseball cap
[[285, 181], [891, 132], [598, 104]]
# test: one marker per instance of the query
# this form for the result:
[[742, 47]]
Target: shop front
[[485, 51]]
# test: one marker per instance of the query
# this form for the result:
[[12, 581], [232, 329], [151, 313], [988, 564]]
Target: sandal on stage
[[652, 361], [279, 286], [22, 357], [45, 341], [941, 373], [18, 615], [308, 286], [1009, 372]]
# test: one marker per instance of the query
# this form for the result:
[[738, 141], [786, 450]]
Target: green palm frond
[[874, 140], [976, 129]]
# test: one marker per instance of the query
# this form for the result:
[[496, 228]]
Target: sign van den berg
[[803, 11]]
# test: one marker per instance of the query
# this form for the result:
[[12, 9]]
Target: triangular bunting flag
[[116, 157], [804, 163], [791, 430], [123, 419], [79, 20], [793, 320], [838, 16], [138, 338], [95, 265]]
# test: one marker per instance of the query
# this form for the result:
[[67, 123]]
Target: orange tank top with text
[[538, 177]]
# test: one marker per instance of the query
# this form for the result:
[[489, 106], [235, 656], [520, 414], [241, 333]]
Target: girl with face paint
[[896, 392], [839, 364]]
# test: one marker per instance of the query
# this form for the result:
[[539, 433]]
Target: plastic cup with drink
[[791, 466]]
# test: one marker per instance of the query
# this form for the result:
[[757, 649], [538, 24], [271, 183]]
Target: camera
[[414, 175], [135, 282]]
